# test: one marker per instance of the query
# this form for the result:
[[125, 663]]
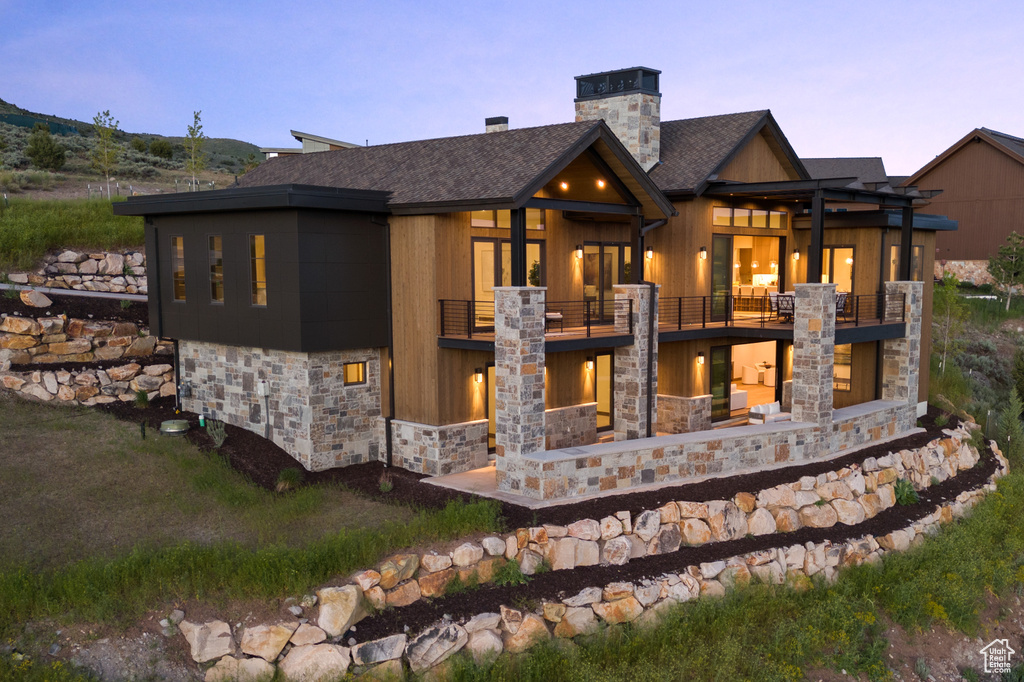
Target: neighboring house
[[432, 302], [983, 180], [310, 143]]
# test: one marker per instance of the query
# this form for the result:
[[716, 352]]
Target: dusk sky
[[900, 80]]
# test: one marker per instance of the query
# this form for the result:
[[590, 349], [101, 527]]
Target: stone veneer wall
[[438, 450], [308, 410], [43, 340], [569, 427], [901, 358], [814, 333], [630, 366], [972, 271], [123, 272], [635, 118], [92, 386], [558, 474], [519, 358], [678, 414]]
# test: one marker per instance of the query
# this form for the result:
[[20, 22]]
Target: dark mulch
[[556, 585], [80, 307]]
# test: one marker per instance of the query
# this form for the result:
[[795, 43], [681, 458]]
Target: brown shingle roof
[[864, 168], [484, 167], [692, 148]]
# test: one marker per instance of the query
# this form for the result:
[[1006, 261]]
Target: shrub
[[905, 493], [288, 478], [43, 150], [510, 574], [1011, 431], [386, 484], [217, 431], [138, 144], [141, 398], [161, 148]]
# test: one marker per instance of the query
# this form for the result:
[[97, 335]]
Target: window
[[842, 367], [746, 217], [178, 267], [258, 269], [837, 267], [354, 373], [503, 219], [216, 269], [916, 263]]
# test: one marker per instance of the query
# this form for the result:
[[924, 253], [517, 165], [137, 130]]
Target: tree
[[106, 152], [1007, 266], [1017, 372], [251, 163], [43, 151], [1011, 431], [161, 148], [195, 159], [139, 145], [949, 313]]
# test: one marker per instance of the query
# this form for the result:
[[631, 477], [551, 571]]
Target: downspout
[[389, 448], [651, 310]]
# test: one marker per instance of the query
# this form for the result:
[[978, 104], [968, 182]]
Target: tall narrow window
[[178, 267], [216, 270], [842, 367], [258, 269]]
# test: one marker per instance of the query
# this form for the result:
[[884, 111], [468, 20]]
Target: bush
[[138, 144], [1011, 431], [43, 150], [905, 493], [161, 148]]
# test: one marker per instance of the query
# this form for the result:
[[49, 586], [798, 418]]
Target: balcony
[[470, 324]]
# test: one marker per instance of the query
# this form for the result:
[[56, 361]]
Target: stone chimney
[[496, 124], [629, 102]]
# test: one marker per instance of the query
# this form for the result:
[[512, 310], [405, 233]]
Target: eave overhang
[[255, 198]]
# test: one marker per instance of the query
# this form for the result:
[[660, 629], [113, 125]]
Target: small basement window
[[354, 373], [178, 267]]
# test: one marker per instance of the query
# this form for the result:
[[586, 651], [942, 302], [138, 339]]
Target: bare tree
[[106, 152], [195, 158]]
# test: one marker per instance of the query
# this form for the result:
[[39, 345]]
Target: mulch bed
[[80, 307]]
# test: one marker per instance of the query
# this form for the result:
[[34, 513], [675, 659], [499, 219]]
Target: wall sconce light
[[578, 252], [564, 185], [796, 254], [700, 358], [703, 253], [478, 375], [649, 253], [755, 264], [849, 261], [600, 184], [590, 364]]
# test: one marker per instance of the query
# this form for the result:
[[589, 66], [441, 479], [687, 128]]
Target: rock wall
[[92, 386], [119, 272], [972, 271], [438, 450], [572, 426], [845, 496], [48, 340], [679, 414]]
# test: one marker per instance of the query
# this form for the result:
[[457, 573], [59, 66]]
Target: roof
[[325, 140], [248, 198], [693, 150], [486, 170], [1008, 144], [864, 168]]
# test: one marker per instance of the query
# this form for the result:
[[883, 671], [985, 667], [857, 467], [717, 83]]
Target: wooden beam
[[518, 239], [814, 257], [906, 244]]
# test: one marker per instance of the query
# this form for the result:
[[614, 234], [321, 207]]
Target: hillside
[[140, 168]]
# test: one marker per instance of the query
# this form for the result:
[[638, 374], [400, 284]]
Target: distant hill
[[221, 152]]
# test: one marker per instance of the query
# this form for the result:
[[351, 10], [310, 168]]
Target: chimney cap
[[496, 120], [621, 81]]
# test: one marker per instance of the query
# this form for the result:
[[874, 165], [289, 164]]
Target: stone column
[[519, 379], [814, 337], [901, 358], [630, 381]]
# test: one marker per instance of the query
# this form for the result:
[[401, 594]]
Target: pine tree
[[43, 151], [195, 159], [1017, 372], [1011, 431], [1007, 266], [106, 152]]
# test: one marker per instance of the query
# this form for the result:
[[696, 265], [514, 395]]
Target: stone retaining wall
[[971, 271], [569, 427], [119, 272], [48, 340], [677, 414], [92, 386], [847, 496], [438, 450]]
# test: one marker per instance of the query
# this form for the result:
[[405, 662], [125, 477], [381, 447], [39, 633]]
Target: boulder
[[619, 611], [123, 373], [818, 516], [712, 589], [761, 522], [403, 595], [588, 553], [553, 611], [436, 562], [692, 510], [577, 620], [307, 634], [834, 490], [375, 597], [435, 584], [208, 641], [315, 663], [669, 513], [745, 501], [616, 551], [70, 256], [493, 546], [849, 513], [484, 646], [648, 594], [12, 382], [561, 553], [616, 591], [366, 579], [871, 503], [379, 650], [230, 669], [434, 645], [779, 496], [532, 631], [113, 264], [726, 520], [483, 621], [538, 535], [35, 299], [398, 568], [529, 562], [340, 609], [36, 391], [611, 527], [141, 346], [586, 597], [266, 641], [647, 525], [13, 324], [467, 554], [511, 619], [667, 540], [695, 531], [786, 520], [587, 529]]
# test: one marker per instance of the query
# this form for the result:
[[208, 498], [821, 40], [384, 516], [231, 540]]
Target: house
[[549, 297], [983, 179], [310, 144]]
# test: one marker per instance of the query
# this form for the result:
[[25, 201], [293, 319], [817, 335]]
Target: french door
[[604, 265]]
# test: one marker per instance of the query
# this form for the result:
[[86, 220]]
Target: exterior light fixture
[[703, 253], [590, 364], [700, 358], [478, 375], [755, 264], [564, 185], [578, 252], [796, 254], [600, 184], [849, 261], [649, 253]]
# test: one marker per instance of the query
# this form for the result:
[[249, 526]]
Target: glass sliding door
[[604, 265], [492, 267], [721, 382], [721, 276]]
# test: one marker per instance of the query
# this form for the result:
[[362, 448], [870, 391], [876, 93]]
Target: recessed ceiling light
[[600, 184], [564, 185]]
